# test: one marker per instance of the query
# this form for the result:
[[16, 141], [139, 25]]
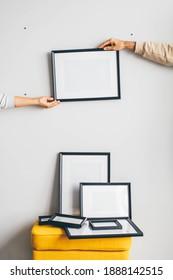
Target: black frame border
[[53, 52]]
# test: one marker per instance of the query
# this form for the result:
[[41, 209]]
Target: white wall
[[137, 130]]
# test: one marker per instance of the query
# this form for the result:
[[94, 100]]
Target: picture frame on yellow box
[[105, 201], [79, 167]]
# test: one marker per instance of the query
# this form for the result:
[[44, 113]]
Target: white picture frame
[[85, 74]]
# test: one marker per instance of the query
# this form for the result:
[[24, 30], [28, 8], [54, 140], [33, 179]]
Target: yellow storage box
[[51, 243]]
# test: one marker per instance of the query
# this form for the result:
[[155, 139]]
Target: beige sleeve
[[161, 53]]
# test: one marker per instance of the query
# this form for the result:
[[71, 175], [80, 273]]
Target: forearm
[[18, 101], [24, 101], [130, 45], [158, 52]]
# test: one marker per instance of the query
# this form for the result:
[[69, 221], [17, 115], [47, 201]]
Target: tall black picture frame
[[79, 167]]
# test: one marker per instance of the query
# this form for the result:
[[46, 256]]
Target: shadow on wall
[[18, 247], [49, 63], [55, 190]]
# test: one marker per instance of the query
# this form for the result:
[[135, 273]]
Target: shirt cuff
[[10, 102], [139, 48], [6, 101]]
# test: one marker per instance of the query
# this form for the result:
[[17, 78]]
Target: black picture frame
[[59, 78], [85, 207], [62, 220], [86, 232], [97, 224], [44, 220], [87, 166]]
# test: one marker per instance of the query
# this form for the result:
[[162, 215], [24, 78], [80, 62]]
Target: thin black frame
[[137, 234], [108, 220], [41, 218], [109, 184], [65, 224], [61, 154], [53, 52]]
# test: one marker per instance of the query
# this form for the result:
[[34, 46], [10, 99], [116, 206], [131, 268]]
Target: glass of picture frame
[[79, 167], [85, 74]]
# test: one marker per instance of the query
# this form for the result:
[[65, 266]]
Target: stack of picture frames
[[90, 206]]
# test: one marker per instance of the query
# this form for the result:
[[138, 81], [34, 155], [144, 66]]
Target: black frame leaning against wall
[[92, 193], [77, 167]]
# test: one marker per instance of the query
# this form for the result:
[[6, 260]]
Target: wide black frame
[[108, 184], [117, 65], [67, 224], [107, 234], [92, 223], [61, 155]]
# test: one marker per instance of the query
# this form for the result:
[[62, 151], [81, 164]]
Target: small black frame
[[58, 54], [93, 224], [71, 221], [44, 220]]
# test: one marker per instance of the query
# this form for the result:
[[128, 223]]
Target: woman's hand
[[43, 101], [47, 102], [117, 45]]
